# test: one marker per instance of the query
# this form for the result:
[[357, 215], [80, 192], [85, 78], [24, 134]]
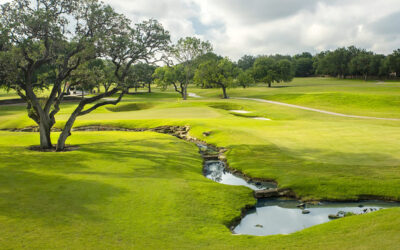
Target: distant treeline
[[350, 62]]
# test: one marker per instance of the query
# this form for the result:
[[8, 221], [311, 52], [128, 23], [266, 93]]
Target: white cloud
[[237, 27]]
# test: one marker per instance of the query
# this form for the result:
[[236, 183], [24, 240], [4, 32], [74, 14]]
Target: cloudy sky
[[237, 27]]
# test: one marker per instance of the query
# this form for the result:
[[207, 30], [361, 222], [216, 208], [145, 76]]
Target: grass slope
[[353, 97], [142, 191]]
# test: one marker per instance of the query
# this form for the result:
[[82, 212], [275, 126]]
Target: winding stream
[[279, 215], [269, 216], [217, 171], [276, 216]]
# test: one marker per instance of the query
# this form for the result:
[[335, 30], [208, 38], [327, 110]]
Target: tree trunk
[[45, 130], [66, 132], [224, 91], [186, 83], [149, 87], [269, 85], [135, 88], [184, 94]]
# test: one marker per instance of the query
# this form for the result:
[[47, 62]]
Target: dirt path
[[317, 110]]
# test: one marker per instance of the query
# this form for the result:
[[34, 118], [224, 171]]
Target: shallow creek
[[269, 216], [276, 216], [217, 171], [280, 216]]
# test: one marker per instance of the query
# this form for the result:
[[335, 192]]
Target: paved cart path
[[317, 110]]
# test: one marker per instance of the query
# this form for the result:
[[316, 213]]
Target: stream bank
[[278, 211]]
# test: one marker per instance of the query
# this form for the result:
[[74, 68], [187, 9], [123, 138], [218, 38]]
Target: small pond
[[284, 217]]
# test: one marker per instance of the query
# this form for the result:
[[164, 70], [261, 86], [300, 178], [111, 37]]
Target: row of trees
[[208, 70], [355, 63], [196, 63], [350, 62]]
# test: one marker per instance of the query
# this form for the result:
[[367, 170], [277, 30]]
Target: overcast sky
[[238, 27]]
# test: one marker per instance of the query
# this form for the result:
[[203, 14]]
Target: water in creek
[[216, 171], [280, 216], [284, 217]]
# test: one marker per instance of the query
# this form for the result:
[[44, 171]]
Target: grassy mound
[[125, 107], [226, 106]]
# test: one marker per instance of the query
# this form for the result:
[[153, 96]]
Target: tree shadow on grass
[[47, 196], [281, 157], [280, 86], [290, 169], [11, 110], [159, 158], [62, 188]]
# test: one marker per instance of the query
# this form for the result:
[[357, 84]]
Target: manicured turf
[[145, 190], [354, 97], [142, 191]]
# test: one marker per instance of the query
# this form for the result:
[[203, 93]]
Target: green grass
[[129, 107], [4, 94], [347, 96], [145, 190], [142, 191], [226, 106]]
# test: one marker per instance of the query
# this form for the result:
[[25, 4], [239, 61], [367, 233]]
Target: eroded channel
[[273, 216], [216, 170]]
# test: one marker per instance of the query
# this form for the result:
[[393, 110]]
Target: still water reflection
[[283, 217]]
